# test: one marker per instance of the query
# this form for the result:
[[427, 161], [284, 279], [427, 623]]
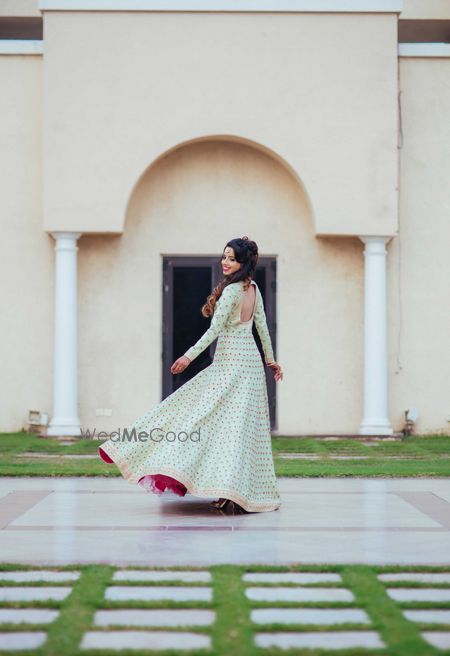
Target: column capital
[[65, 234], [372, 241]]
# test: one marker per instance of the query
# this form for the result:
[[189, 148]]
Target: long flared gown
[[211, 437]]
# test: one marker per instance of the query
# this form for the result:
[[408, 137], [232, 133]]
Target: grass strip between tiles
[[401, 636], [232, 632], [77, 612]]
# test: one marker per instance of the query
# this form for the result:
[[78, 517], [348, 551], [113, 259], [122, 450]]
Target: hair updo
[[246, 253]]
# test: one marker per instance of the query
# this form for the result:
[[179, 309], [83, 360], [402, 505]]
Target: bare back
[[248, 303]]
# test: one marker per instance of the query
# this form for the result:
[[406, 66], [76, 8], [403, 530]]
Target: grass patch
[[417, 456], [233, 631]]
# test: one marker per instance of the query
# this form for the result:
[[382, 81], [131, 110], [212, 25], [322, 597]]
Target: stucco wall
[[26, 251], [419, 265], [320, 90]]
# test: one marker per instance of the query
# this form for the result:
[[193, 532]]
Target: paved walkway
[[54, 521], [126, 609]]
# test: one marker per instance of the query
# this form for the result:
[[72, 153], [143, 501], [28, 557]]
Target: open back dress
[[210, 437]]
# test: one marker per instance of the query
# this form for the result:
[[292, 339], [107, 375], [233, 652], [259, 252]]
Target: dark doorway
[[187, 281]]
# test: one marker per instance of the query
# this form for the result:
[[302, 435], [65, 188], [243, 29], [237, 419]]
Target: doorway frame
[[267, 266]]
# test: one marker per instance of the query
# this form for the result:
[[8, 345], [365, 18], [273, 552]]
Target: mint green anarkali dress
[[211, 437]]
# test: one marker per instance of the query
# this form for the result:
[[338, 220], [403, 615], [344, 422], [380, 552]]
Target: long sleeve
[[263, 331], [224, 308]]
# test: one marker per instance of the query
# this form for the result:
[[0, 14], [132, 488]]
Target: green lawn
[[412, 456], [233, 631]]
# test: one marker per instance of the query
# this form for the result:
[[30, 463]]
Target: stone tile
[[333, 456], [298, 456], [62, 456], [153, 575], [51, 521], [419, 594], [15, 640], [319, 639], [17, 502], [28, 615], [307, 510], [429, 504], [429, 615], [308, 615], [292, 577], [331, 483], [39, 575], [151, 593], [33, 594], [424, 577], [144, 640], [299, 594], [445, 494], [155, 617], [267, 546], [439, 639]]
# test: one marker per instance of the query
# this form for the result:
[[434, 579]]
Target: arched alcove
[[190, 202], [230, 144]]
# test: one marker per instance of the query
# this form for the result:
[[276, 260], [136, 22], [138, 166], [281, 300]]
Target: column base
[[64, 427], [375, 427]]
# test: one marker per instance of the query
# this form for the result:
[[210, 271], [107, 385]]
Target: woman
[[212, 435]]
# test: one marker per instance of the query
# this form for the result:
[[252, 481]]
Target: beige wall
[[19, 8], [425, 9], [320, 90], [419, 265], [26, 251], [412, 9]]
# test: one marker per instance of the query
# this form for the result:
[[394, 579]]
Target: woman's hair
[[246, 253]]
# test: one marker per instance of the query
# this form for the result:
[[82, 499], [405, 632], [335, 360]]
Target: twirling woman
[[211, 437]]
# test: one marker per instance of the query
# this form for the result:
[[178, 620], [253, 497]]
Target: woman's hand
[[180, 365], [277, 370]]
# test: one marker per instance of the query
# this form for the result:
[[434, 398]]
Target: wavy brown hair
[[246, 253]]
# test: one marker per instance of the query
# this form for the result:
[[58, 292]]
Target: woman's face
[[229, 262]]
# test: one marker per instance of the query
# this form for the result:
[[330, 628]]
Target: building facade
[[139, 137]]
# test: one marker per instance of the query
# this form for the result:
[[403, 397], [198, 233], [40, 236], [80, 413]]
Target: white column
[[65, 419], [375, 420]]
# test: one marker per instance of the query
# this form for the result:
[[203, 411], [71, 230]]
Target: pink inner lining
[[104, 456], [156, 483]]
